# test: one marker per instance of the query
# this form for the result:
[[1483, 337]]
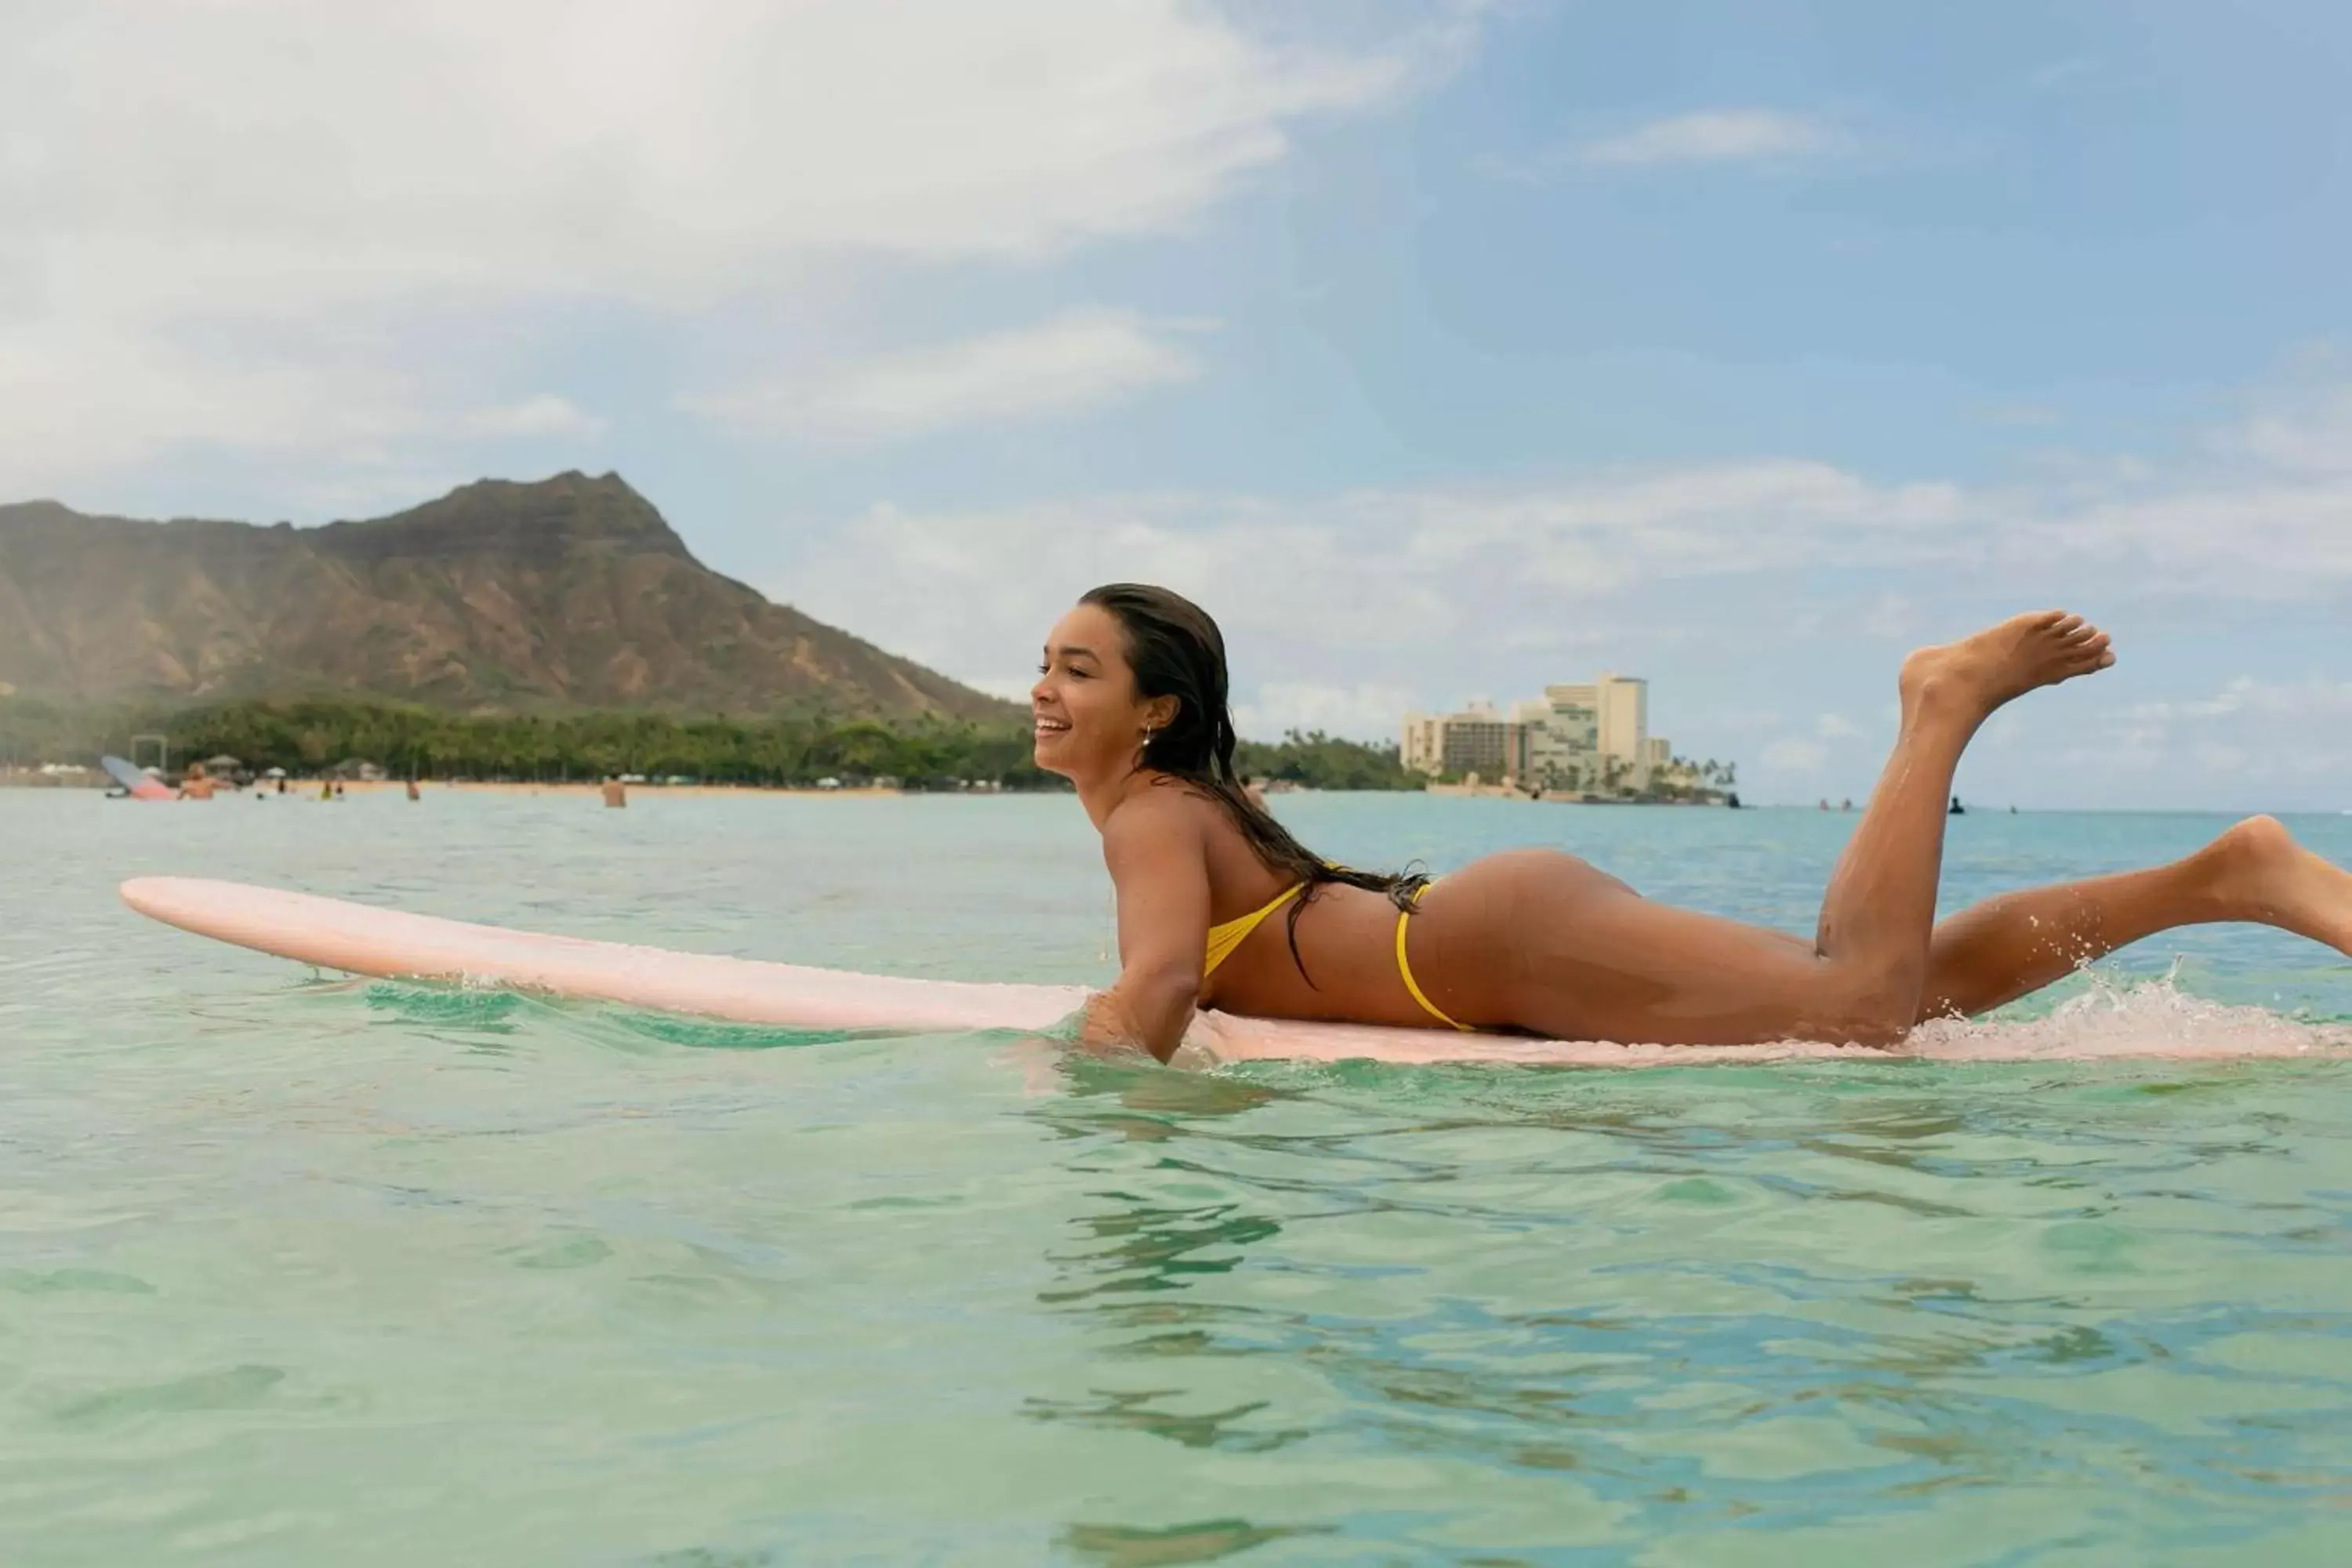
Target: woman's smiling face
[[1086, 714]]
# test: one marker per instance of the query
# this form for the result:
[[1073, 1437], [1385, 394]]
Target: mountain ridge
[[566, 593]]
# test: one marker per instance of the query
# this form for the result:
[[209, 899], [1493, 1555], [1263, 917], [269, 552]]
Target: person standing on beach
[[411, 790], [616, 794]]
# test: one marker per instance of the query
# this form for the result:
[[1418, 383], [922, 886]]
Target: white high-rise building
[[1563, 740], [1477, 740], [1581, 737], [1621, 706], [1595, 724], [1578, 737]]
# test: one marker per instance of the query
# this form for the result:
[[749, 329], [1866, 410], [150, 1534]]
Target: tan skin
[[1539, 941]]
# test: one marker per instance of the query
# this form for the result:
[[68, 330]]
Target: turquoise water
[[295, 1270]]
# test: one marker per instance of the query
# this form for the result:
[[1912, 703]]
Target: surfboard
[[360, 939], [131, 778]]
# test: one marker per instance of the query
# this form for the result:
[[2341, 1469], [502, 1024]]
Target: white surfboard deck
[[358, 939]]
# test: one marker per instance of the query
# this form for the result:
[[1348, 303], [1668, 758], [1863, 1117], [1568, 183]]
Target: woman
[[1219, 907]]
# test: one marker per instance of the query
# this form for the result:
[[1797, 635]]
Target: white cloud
[[2262, 740], [1714, 136], [77, 401], [2255, 535], [250, 224], [1077, 361], [544, 414], [2306, 702], [1539, 566], [1892, 615], [957, 589], [1359, 570], [1367, 603], [276, 146], [2315, 438], [1795, 756], [1363, 710]]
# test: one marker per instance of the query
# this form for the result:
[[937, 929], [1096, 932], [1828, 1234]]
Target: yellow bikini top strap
[[1223, 939]]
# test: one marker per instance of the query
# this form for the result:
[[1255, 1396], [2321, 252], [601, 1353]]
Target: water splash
[[2121, 1018]]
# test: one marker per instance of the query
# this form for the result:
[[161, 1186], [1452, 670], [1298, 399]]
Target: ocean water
[[296, 1269]]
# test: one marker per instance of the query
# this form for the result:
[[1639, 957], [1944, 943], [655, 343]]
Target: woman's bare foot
[[1978, 674], [2262, 874]]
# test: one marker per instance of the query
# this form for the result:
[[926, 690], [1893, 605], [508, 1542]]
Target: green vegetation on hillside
[[306, 737], [1317, 761]]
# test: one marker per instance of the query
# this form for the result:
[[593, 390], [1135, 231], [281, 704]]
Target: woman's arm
[[1160, 865]]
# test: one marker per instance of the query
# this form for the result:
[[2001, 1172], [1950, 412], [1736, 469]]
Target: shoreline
[[300, 789]]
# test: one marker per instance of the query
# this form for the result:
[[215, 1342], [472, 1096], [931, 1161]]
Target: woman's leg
[[1598, 962], [2014, 945]]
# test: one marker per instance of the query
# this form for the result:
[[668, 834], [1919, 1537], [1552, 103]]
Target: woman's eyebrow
[[1071, 651]]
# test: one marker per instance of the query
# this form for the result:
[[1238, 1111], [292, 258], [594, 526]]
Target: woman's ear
[[1160, 711]]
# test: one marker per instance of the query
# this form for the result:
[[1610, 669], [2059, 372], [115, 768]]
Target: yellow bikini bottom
[[1404, 970], [1223, 939]]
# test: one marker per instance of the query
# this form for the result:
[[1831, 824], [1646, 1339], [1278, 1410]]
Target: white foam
[[2122, 1017]]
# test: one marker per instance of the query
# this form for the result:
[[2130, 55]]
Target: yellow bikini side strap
[[1223, 939], [1404, 970]]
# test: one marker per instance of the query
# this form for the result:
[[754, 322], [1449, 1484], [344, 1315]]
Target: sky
[[1440, 351]]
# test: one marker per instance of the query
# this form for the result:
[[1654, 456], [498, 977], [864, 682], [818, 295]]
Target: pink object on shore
[[359, 940]]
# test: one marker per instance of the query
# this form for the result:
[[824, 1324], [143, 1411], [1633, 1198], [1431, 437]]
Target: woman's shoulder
[[1162, 808], [1161, 803]]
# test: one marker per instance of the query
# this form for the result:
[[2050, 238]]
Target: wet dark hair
[[1176, 650]]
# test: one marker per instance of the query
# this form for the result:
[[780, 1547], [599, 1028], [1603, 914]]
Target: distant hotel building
[[1588, 737], [1475, 741]]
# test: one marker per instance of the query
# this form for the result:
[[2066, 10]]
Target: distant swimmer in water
[[615, 792], [1130, 705], [195, 784], [1958, 809], [412, 791]]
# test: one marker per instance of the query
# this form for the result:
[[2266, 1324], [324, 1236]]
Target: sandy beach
[[300, 788]]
